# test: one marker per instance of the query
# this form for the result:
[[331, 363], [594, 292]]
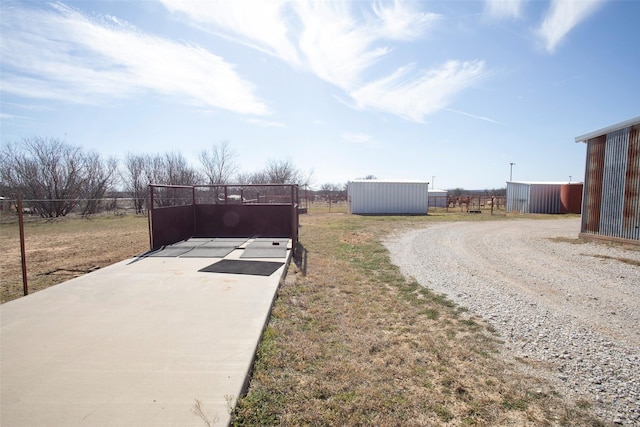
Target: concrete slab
[[264, 252], [133, 344], [208, 252]]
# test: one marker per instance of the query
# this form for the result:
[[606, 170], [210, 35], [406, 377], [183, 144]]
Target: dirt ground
[[60, 249], [350, 342]]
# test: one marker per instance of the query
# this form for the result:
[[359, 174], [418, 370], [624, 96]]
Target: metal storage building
[[535, 197], [611, 196], [387, 197], [438, 198]]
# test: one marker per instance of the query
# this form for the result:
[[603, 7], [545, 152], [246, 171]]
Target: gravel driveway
[[571, 309]]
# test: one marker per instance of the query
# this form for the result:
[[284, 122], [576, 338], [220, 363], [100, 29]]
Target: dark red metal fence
[[179, 212]]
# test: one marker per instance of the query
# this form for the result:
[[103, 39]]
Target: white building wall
[[534, 197], [438, 198], [387, 197], [545, 198]]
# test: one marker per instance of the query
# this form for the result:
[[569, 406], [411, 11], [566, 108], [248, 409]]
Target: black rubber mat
[[232, 266]]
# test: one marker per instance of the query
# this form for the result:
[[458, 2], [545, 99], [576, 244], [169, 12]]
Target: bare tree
[[171, 169], [101, 176], [284, 172], [243, 178], [218, 164], [51, 174], [135, 179], [178, 171]]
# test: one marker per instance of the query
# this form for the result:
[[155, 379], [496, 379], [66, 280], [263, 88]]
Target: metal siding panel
[[631, 209], [592, 191], [536, 199], [518, 197], [523, 202], [615, 166], [388, 197], [545, 198], [509, 203]]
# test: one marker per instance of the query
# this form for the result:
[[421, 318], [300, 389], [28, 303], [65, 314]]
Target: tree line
[[57, 177]]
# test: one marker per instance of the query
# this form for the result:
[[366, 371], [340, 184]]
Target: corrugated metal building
[[387, 197], [438, 198], [535, 197], [611, 199]]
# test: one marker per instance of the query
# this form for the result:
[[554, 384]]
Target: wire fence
[[57, 249], [472, 204], [37, 252], [37, 208]]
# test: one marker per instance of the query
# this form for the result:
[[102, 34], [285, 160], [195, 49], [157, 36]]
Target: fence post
[[25, 286], [150, 215]]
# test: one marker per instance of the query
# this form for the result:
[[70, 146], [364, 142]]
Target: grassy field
[[62, 248], [350, 340]]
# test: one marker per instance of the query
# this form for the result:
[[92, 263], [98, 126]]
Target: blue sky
[[454, 90]]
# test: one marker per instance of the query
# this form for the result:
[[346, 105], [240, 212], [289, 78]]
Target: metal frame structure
[[178, 212]]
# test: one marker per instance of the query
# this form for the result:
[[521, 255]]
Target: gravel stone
[[571, 309]]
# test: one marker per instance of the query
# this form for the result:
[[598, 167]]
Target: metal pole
[[194, 209], [150, 216], [25, 286], [511, 171]]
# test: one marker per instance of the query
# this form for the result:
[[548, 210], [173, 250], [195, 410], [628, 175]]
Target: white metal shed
[[438, 198], [388, 197], [534, 197]]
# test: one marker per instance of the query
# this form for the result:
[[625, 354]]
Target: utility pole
[[511, 171]]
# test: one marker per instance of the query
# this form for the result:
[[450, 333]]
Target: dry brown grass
[[352, 342], [349, 342], [64, 248]]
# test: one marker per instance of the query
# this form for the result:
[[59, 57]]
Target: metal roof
[[390, 181], [544, 182], [608, 129]]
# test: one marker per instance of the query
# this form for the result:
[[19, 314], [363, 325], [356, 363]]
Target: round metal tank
[[571, 198]]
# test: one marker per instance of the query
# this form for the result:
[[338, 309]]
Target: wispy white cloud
[[399, 21], [425, 92], [356, 138], [59, 53], [6, 116], [262, 25], [562, 17], [341, 42], [336, 48], [504, 9], [266, 123], [473, 116]]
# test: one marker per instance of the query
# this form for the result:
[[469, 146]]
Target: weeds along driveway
[[351, 341], [567, 309]]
